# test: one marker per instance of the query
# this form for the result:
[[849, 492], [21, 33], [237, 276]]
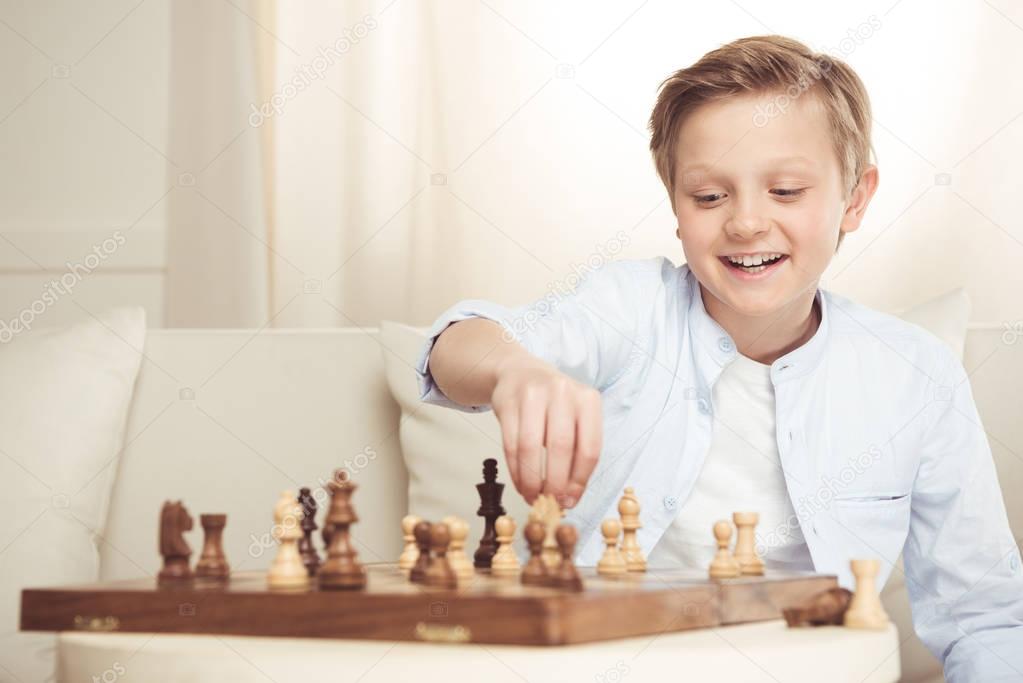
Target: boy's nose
[[745, 226]]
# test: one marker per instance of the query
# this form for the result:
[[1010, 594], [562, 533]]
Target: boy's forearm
[[466, 357]]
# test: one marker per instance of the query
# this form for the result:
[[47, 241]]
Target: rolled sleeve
[[589, 333], [962, 563], [429, 392]]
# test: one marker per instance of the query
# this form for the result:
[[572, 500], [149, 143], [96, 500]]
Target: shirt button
[[703, 406], [1014, 563], [671, 502], [725, 344]]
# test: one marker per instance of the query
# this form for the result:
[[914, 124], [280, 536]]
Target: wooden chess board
[[486, 609]]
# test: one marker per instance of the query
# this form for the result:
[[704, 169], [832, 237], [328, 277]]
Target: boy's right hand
[[540, 407]]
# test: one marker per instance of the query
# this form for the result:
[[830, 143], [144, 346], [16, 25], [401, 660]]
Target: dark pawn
[[490, 509], [212, 562], [439, 573], [422, 535], [310, 558], [535, 571], [566, 576], [342, 569]]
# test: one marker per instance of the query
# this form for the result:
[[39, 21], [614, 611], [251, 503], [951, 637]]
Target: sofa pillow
[[443, 449], [64, 404]]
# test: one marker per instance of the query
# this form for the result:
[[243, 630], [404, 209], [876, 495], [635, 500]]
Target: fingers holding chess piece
[[410, 553], [723, 566], [865, 609], [745, 543], [611, 563], [535, 572], [505, 562], [628, 510], [567, 576]]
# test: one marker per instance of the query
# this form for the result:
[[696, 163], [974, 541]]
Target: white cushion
[[443, 449], [64, 401]]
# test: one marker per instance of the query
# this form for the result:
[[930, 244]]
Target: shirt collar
[[718, 345]]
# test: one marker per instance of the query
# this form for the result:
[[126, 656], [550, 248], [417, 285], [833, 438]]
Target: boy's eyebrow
[[777, 161]]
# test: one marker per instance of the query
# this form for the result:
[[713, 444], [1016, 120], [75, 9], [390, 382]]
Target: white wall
[[83, 119]]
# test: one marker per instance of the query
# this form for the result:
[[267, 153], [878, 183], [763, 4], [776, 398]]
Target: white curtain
[[424, 152], [219, 232]]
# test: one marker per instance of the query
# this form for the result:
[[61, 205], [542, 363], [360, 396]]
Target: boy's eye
[[711, 198], [707, 198]]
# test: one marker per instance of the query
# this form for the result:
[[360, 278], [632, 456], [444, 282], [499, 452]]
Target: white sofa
[[224, 420]]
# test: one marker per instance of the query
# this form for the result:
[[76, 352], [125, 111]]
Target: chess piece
[[611, 563], [505, 562], [212, 562], [174, 522], [459, 561], [421, 532], [826, 608], [342, 569], [490, 509], [287, 570], [723, 566], [745, 544], [865, 609], [535, 572], [410, 553], [310, 558], [439, 573], [547, 511], [567, 577], [628, 510]]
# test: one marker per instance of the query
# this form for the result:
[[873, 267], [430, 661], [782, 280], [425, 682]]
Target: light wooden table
[[766, 651]]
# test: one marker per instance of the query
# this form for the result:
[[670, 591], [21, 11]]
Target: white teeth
[[755, 260]]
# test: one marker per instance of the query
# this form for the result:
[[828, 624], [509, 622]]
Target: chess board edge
[[491, 610]]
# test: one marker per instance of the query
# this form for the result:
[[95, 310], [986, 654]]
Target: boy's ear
[[860, 199]]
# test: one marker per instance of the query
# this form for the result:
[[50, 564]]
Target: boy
[[733, 382]]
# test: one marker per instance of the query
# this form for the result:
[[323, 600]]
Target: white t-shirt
[[742, 472]]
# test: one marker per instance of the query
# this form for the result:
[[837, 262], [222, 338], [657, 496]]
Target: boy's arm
[[962, 563], [538, 366], [590, 334]]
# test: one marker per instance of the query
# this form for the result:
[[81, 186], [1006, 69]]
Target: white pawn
[[865, 608], [505, 562], [745, 543], [410, 553], [459, 561], [723, 566], [287, 570], [611, 563], [628, 510]]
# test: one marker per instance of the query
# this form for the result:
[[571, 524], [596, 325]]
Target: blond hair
[[766, 64]]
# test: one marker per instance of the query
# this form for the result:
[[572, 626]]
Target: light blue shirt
[[880, 441]]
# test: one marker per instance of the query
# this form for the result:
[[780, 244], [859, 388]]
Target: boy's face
[[757, 189]]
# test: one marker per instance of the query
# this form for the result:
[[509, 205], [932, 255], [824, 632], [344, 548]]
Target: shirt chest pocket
[[872, 526]]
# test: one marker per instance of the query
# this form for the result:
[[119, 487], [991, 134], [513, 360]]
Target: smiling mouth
[[753, 269]]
